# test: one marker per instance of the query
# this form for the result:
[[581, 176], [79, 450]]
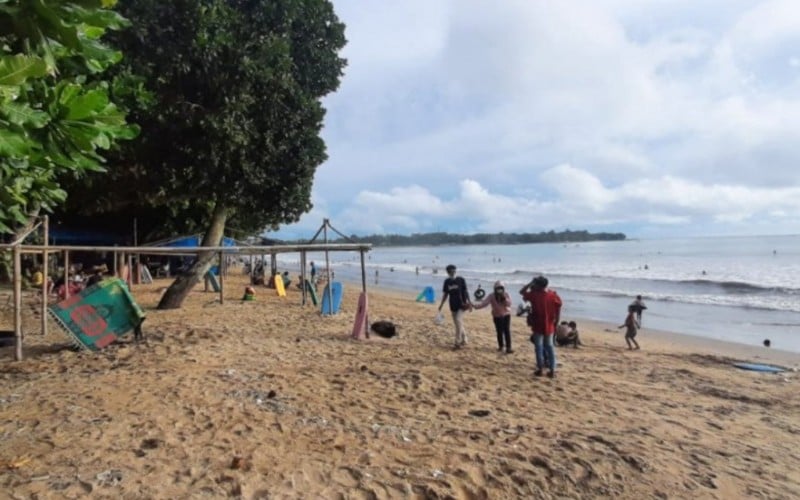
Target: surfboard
[[332, 298], [147, 278], [279, 288], [759, 367], [312, 292], [360, 329], [212, 278], [428, 295]]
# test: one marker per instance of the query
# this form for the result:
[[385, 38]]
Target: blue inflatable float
[[428, 295]]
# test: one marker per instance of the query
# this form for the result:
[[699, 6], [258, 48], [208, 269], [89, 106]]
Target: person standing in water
[[500, 301], [455, 290], [638, 306]]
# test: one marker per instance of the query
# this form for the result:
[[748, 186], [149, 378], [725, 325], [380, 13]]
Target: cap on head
[[450, 268]]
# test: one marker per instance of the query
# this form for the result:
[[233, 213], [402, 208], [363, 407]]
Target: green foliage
[[236, 116], [56, 114]]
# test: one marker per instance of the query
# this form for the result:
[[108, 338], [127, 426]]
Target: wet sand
[[267, 399]]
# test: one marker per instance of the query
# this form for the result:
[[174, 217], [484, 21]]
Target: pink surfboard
[[360, 329]]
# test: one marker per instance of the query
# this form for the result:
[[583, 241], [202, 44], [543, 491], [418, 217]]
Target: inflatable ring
[[480, 293]]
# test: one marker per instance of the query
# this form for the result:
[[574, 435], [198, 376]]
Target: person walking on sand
[[455, 290], [313, 272], [545, 315], [638, 306], [500, 301], [631, 326]]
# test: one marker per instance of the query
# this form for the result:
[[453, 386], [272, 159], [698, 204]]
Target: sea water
[[739, 289]]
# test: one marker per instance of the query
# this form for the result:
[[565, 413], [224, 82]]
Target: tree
[[56, 113], [235, 132]]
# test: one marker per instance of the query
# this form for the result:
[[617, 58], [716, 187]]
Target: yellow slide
[[279, 286]]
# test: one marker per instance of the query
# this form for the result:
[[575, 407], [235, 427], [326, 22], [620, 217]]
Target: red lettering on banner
[[71, 301], [90, 323], [104, 341]]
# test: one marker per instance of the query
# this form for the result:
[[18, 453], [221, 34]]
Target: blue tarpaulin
[[192, 241]]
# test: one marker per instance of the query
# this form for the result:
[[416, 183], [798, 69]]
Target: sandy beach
[[268, 399]]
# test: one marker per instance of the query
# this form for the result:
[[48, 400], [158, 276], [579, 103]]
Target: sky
[[656, 118]]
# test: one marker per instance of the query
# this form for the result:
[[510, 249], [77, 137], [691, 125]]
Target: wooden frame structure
[[18, 249]]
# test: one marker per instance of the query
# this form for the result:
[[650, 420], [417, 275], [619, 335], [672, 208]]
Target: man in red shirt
[[545, 312]]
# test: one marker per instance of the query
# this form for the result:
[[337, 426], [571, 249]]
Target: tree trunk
[[25, 228], [5, 260], [174, 296]]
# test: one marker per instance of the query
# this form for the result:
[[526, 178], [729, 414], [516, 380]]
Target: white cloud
[[678, 107], [582, 201]]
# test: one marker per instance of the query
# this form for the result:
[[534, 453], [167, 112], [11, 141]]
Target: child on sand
[[631, 326], [567, 333], [500, 301]]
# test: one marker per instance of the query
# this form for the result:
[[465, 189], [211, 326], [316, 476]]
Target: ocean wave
[[768, 303], [741, 286], [729, 286]]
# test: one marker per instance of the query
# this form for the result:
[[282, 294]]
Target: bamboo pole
[[303, 277], [130, 271], [66, 274], [17, 304], [363, 272], [329, 285], [148, 250], [45, 273], [221, 280]]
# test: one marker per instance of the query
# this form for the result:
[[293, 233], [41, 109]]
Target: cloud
[[520, 103], [582, 201]]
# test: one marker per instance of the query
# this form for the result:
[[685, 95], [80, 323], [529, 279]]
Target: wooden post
[[221, 280], [303, 277], [329, 286], [66, 274], [116, 267], [17, 303], [138, 257], [363, 272], [130, 271], [45, 274]]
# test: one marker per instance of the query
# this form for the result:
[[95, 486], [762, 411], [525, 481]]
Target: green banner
[[98, 315]]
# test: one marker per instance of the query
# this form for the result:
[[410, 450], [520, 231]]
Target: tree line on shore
[[443, 238]]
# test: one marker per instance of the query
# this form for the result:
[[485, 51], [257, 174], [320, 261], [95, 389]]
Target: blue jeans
[[543, 344]]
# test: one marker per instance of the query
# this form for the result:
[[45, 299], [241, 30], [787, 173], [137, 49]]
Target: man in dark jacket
[[455, 290]]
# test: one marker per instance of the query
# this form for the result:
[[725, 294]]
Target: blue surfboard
[[759, 367], [428, 295], [332, 298], [212, 278]]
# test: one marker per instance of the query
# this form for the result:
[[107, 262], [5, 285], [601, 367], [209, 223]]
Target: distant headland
[[440, 239]]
